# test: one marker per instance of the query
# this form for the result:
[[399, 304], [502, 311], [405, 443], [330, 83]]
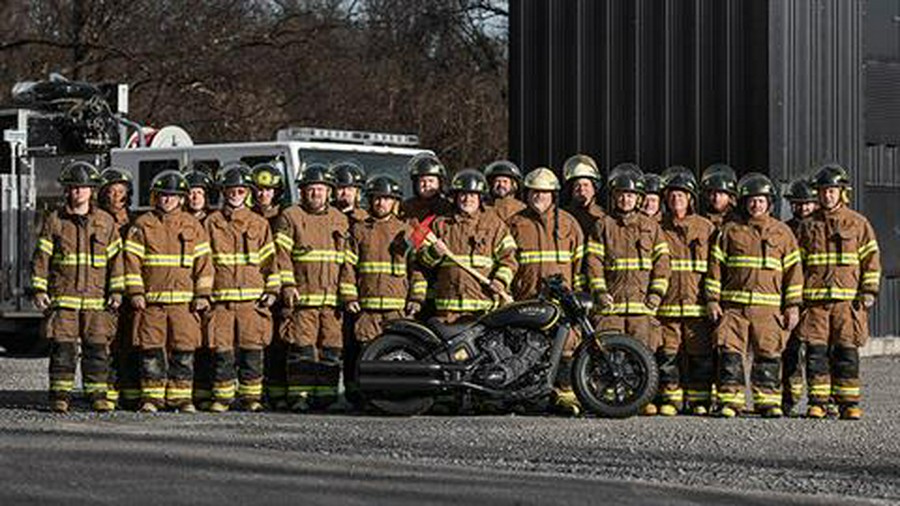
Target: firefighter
[[200, 194], [349, 179], [504, 179], [168, 278], [550, 242], [687, 348], [268, 188], [116, 190], [718, 184], [628, 265], [268, 191], [428, 177], [582, 179], [310, 242], [381, 272], [803, 198], [754, 289], [651, 204], [77, 275], [245, 286], [479, 239], [843, 271]]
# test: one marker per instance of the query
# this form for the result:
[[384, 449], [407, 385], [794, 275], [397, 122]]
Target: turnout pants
[[760, 329], [94, 330], [685, 359], [833, 333], [167, 336], [237, 334], [314, 339]]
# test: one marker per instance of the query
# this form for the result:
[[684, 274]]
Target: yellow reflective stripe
[[267, 250], [79, 303], [318, 299], [113, 248], [867, 249], [731, 397], [166, 260], [287, 277], [153, 392], [697, 395], [791, 258], [273, 280], [202, 248], [382, 303], [506, 243], [351, 257], [250, 258], [39, 283], [659, 250], [45, 245], [794, 292], [579, 282], [595, 248], [92, 388], [846, 391], [630, 264], [134, 280], [766, 399], [598, 284], [681, 310], [829, 293], [318, 256], [117, 283], [62, 385], [674, 396], [831, 259], [872, 278], [751, 262], [419, 288], [713, 286], [236, 294], [504, 274], [464, 304], [551, 256], [398, 269], [718, 254], [820, 390], [689, 265], [752, 298], [284, 240], [470, 260], [178, 394], [628, 308], [348, 290], [247, 390], [135, 248], [169, 297], [660, 284], [78, 259]]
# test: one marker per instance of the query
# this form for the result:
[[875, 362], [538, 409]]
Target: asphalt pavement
[[277, 458]]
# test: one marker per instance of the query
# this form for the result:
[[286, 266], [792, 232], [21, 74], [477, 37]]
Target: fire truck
[[51, 123]]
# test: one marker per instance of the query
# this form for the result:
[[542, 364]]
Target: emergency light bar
[[354, 136]]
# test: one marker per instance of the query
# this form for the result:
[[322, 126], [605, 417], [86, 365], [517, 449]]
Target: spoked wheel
[[616, 383], [391, 347]]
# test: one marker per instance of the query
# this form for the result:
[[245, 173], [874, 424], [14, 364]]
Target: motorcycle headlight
[[585, 301]]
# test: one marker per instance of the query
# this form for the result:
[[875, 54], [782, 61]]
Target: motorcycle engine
[[513, 352]]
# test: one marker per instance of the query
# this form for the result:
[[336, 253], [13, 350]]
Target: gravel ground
[[696, 460]]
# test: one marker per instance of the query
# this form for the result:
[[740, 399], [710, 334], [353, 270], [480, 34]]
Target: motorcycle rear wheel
[[397, 347], [619, 383]]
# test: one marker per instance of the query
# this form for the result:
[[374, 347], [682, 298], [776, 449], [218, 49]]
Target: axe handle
[[479, 276]]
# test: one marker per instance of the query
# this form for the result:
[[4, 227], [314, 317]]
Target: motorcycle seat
[[446, 332]]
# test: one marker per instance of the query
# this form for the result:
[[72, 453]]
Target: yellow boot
[[649, 410], [565, 402], [815, 411], [851, 413]]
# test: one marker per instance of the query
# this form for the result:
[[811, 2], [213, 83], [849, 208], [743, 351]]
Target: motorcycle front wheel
[[617, 382], [398, 348]]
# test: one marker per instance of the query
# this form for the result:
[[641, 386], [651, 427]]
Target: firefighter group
[[258, 304]]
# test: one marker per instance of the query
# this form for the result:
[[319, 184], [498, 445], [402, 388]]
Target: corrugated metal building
[[777, 86]]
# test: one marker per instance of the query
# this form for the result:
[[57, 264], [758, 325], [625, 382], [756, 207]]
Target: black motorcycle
[[508, 357]]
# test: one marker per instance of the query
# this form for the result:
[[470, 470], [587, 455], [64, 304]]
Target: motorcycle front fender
[[415, 330]]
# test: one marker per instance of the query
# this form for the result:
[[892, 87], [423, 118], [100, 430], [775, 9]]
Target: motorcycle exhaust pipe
[[382, 384], [398, 368]]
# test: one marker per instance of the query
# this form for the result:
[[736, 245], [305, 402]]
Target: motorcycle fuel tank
[[532, 314]]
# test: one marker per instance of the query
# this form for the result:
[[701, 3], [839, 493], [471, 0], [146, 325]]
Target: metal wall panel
[[882, 102], [884, 318], [764, 85]]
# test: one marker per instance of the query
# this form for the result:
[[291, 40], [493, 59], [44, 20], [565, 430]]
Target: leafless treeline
[[240, 69]]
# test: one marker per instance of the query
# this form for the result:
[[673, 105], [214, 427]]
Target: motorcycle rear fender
[[415, 330]]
